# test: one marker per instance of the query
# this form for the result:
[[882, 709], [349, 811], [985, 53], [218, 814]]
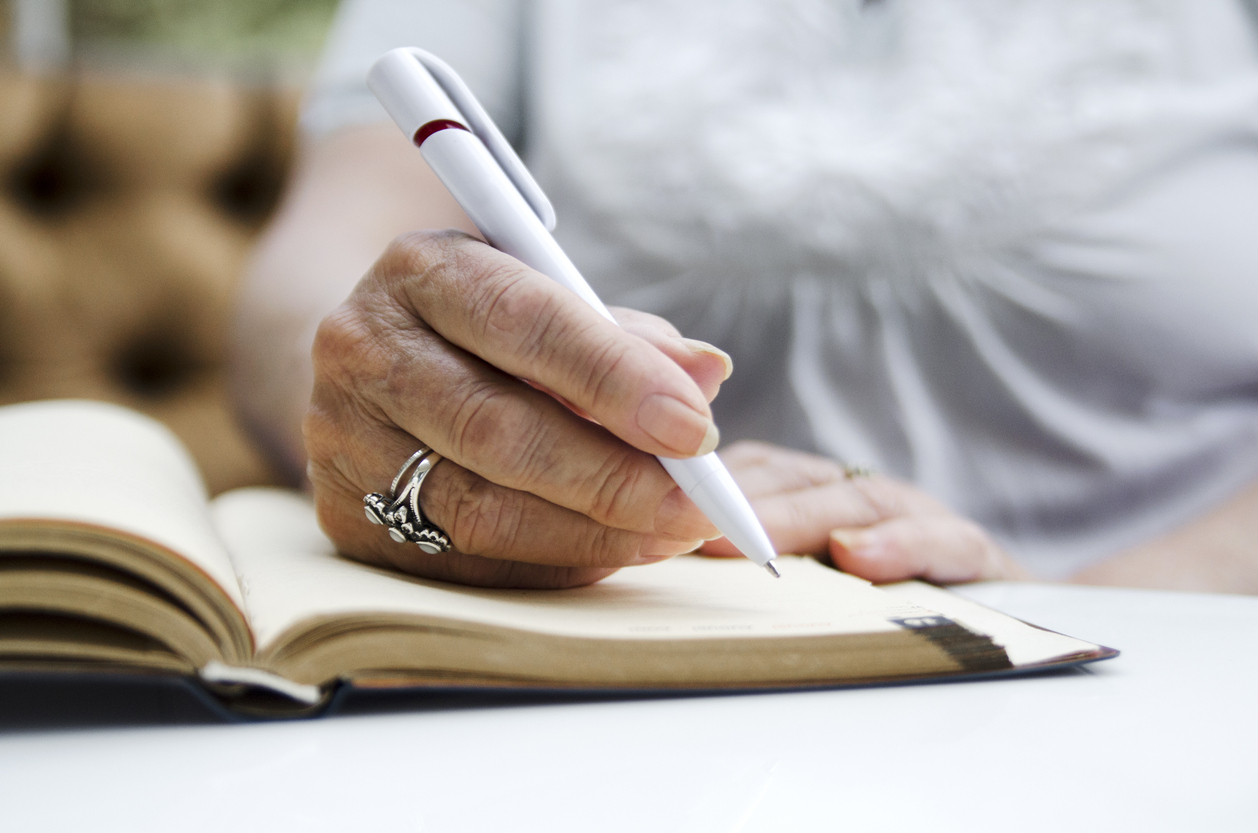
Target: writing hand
[[430, 348]]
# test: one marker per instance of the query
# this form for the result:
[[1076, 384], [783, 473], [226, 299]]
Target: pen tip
[[768, 565]]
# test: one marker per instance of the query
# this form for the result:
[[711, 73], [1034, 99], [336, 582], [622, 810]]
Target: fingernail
[[702, 348], [710, 440], [679, 516], [858, 542], [662, 549], [677, 426]]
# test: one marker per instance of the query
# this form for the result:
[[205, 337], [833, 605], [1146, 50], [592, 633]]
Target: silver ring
[[397, 478], [400, 511]]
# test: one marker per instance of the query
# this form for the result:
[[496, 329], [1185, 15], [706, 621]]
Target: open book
[[113, 559]]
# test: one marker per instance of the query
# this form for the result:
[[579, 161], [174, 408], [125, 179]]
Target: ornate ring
[[853, 472], [400, 511]]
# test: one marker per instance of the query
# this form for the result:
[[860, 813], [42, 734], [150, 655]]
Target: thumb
[[707, 364]]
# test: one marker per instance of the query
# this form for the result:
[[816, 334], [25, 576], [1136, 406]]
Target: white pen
[[467, 152]]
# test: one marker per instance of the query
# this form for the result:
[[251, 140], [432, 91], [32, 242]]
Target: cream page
[[1024, 644], [291, 574], [101, 465]]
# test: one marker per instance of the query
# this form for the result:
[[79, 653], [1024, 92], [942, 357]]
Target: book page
[[1024, 644], [108, 467], [291, 574]]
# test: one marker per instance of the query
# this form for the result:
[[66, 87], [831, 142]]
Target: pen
[[467, 152]]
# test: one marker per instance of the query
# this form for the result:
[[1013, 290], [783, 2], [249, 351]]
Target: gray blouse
[[1007, 249]]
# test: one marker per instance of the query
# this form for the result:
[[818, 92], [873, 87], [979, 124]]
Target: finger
[[645, 324], [558, 399], [709, 366], [706, 364], [761, 469], [531, 327], [798, 497], [483, 420], [720, 548], [490, 520], [481, 518], [800, 522], [340, 518], [939, 548]]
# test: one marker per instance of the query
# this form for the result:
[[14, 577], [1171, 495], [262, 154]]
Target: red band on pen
[[435, 126]]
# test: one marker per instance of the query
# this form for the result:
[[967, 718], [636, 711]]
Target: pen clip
[[483, 128]]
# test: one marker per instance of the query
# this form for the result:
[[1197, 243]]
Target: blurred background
[[143, 145]]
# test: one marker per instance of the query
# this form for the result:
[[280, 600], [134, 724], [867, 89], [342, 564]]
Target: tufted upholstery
[[127, 212]]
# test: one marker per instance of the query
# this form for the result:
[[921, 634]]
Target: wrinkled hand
[[872, 526], [431, 348]]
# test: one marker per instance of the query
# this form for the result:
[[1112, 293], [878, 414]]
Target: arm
[[1215, 553]]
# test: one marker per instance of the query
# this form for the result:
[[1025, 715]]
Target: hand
[[431, 347], [872, 526]]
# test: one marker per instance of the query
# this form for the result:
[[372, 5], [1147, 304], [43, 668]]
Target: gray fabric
[[999, 247]]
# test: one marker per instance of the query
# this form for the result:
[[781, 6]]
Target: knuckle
[[489, 422], [820, 471], [341, 334], [415, 253], [610, 548], [511, 310], [599, 376], [645, 324], [883, 497], [614, 489], [399, 378], [798, 517], [477, 424], [349, 352], [661, 324], [527, 447], [481, 517], [419, 267], [536, 324]]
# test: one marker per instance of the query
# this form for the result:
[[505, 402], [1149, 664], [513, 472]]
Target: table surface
[[1164, 737]]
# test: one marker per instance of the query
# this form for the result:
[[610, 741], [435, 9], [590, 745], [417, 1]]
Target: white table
[[1164, 737]]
